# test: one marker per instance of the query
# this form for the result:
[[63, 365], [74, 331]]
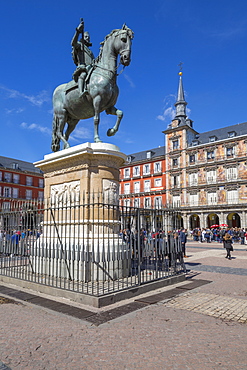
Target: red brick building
[[19, 180]]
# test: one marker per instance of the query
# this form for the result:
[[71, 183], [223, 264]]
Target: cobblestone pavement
[[200, 329]]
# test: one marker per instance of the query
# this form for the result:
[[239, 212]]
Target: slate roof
[[142, 156], [222, 133], [9, 163]]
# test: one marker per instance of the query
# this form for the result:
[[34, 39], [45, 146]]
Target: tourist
[[227, 242]]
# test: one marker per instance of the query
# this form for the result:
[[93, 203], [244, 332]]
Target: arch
[[212, 219], [177, 222], [233, 220], [194, 221]]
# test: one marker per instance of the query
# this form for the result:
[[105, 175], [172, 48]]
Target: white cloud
[[127, 77], [34, 126], [169, 109], [37, 100], [14, 110], [81, 133]]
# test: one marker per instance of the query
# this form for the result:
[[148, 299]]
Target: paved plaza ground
[[201, 328]]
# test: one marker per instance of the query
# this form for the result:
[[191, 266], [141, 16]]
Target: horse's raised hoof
[[111, 132]]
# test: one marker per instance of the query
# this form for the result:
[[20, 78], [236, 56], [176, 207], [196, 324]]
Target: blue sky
[[208, 36]]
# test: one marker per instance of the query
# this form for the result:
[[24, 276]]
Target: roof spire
[[180, 103]]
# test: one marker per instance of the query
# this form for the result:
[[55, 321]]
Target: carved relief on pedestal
[[111, 191], [66, 193]]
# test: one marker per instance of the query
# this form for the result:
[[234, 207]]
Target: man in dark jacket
[[183, 238]]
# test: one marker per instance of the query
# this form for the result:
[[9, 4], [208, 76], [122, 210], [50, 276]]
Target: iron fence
[[88, 246]]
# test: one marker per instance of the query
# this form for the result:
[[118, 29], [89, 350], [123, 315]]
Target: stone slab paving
[[185, 334]]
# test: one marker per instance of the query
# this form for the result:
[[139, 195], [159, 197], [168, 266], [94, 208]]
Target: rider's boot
[[82, 90]]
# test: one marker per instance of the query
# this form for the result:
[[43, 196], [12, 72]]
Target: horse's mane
[[130, 33]]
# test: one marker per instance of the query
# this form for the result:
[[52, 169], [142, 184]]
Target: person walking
[[183, 238], [227, 243]]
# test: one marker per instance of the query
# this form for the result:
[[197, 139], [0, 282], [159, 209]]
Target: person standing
[[227, 243], [183, 238]]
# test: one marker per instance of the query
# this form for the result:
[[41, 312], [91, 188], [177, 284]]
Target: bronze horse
[[102, 95]]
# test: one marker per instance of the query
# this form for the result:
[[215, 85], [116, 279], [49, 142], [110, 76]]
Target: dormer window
[[129, 158], [195, 142], [15, 166], [149, 154], [231, 133], [212, 138]]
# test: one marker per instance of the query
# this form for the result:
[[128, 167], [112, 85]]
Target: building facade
[[204, 175], [19, 180]]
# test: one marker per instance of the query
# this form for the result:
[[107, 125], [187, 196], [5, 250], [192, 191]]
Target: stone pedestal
[[81, 184]]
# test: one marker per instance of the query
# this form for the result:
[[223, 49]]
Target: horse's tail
[[55, 144]]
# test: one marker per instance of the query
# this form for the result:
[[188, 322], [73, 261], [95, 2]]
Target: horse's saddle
[[71, 85]]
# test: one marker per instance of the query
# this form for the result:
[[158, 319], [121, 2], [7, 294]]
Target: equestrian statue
[[93, 88]]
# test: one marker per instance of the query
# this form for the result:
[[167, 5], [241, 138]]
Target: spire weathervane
[[180, 65]]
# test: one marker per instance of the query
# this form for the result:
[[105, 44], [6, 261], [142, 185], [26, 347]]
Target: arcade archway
[[233, 220], [194, 221], [212, 219]]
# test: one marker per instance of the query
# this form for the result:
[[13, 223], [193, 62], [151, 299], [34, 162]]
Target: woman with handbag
[[227, 243]]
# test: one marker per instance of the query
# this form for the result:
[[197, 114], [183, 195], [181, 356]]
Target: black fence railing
[[89, 247]]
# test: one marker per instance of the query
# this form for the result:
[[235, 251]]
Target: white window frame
[[136, 171], [147, 185], [146, 169], [7, 192], [193, 179], [29, 194], [16, 178], [15, 193], [193, 199], [147, 202], [232, 196], [137, 202], [7, 176], [211, 198], [127, 173], [157, 167], [29, 181], [211, 177], [176, 200], [137, 187], [127, 188], [157, 183], [158, 202], [231, 173]]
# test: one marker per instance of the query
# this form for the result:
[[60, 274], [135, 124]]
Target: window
[[146, 169], [210, 154], [127, 202], [126, 173], [175, 144], [212, 198], [6, 205], [28, 194], [193, 199], [176, 200], [231, 173], [211, 176], [40, 195], [175, 181], [147, 185], [157, 167], [232, 196], [195, 142], [137, 187], [136, 202], [149, 155], [15, 193], [157, 183], [7, 192], [136, 171], [230, 151], [174, 162], [7, 176], [212, 138], [157, 202], [192, 158], [147, 203], [15, 166], [16, 178], [0, 191], [126, 188], [41, 183], [29, 181], [193, 179], [1, 175], [231, 133]]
